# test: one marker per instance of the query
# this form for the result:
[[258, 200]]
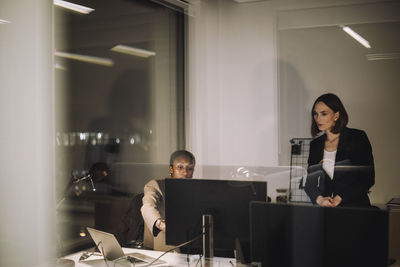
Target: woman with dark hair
[[181, 166], [340, 163]]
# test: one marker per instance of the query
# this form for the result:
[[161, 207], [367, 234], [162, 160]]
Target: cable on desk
[[181, 245], [102, 251], [87, 254], [198, 261], [131, 260]]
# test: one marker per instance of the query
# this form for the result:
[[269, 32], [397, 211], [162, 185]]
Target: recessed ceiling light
[[73, 7], [133, 51], [356, 36], [84, 58]]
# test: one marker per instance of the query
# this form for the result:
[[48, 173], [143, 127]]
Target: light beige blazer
[[154, 208]]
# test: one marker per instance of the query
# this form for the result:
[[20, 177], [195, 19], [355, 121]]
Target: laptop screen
[[107, 244]]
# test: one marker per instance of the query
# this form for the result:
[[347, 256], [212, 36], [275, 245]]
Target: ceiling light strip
[[73, 7], [133, 51], [356, 36], [383, 56], [3, 21], [89, 59]]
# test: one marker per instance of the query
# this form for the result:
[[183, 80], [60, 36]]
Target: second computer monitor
[[291, 235]]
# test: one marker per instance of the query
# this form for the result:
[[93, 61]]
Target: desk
[[172, 259], [394, 234]]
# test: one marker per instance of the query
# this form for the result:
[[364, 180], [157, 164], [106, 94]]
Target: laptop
[[108, 245]]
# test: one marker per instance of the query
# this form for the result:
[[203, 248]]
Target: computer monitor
[[295, 235], [186, 200]]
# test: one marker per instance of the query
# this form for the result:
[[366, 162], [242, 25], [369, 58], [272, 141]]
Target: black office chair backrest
[[131, 227]]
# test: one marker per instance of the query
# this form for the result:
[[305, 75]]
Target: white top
[[328, 162]]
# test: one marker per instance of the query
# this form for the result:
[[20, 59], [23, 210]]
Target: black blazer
[[354, 172]]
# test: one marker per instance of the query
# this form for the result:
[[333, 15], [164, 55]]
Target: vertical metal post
[[208, 236]]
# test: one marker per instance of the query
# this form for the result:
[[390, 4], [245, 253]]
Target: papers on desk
[[135, 258], [394, 203], [171, 259]]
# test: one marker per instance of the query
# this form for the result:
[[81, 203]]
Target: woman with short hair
[[181, 166]]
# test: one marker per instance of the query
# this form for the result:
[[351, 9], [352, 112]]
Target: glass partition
[[119, 108]]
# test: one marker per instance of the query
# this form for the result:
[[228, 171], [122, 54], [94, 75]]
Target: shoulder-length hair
[[334, 103]]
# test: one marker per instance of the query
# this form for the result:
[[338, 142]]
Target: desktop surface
[[171, 259]]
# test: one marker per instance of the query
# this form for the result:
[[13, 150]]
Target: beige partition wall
[[26, 137]]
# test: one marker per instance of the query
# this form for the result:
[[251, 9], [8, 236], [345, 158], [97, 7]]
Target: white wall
[[26, 157], [237, 105], [317, 57], [232, 84]]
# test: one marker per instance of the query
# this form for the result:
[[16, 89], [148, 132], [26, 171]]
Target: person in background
[[340, 163], [181, 165]]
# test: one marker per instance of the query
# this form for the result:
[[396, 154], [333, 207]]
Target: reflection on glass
[[3, 21], [124, 116], [73, 7]]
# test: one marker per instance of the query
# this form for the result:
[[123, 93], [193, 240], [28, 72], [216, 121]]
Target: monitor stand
[[208, 237]]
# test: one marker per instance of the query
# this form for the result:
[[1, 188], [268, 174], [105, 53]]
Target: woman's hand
[[160, 224], [325, 201], [336, 200]]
